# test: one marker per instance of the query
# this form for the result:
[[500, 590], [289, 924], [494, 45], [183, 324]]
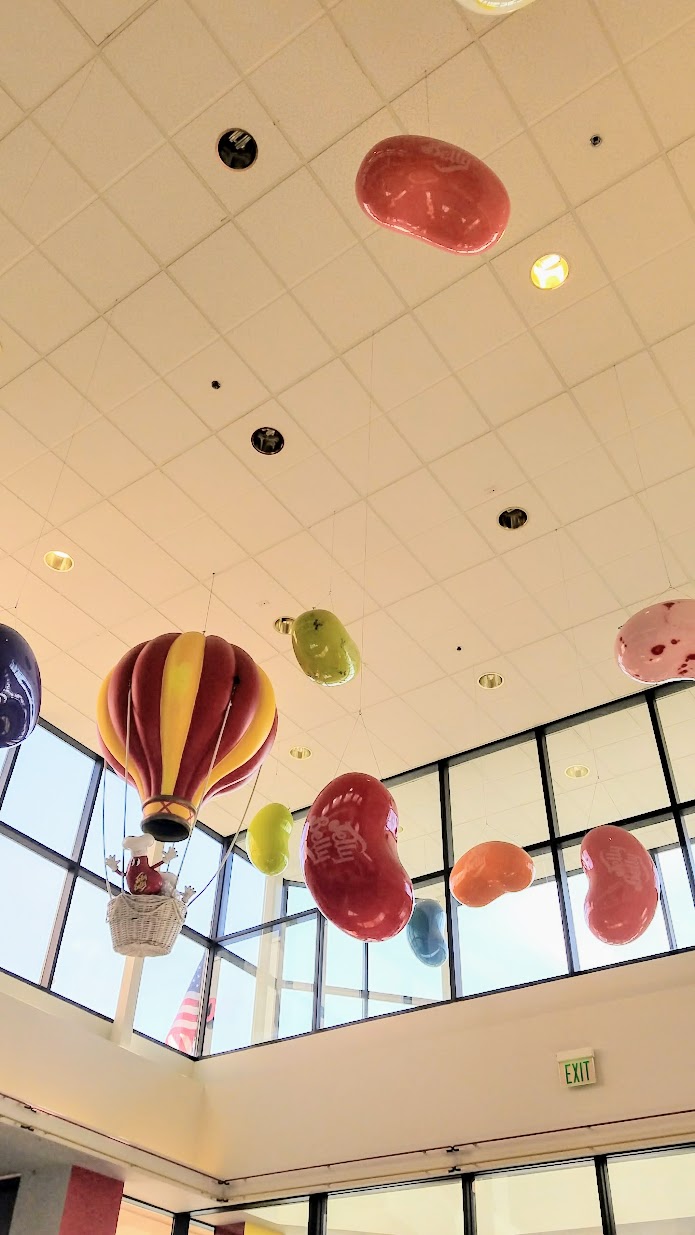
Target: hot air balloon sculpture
[[192, 716], [182, 717], [20, 688]]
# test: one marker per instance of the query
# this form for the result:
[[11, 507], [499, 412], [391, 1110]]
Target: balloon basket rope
[[145, 925]]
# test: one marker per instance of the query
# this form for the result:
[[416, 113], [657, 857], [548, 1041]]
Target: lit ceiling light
[[56, 559], [576, 771], [494, 8], [490, 681], [283, 625], [300, 752], [549, 272]]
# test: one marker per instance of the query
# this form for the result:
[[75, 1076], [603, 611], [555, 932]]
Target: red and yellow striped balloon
[[187, 693]]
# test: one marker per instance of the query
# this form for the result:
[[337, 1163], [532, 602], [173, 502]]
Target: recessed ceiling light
[[490, 681], [237, 149], [549, 272], [56, 559], [576, 771], [283, 625], [300, 752], [267, 441], [512, 518]]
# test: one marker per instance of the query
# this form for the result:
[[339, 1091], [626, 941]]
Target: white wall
[[457, 1074]]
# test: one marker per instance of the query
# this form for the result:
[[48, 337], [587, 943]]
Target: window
[[654, 1188], [498, 795], [623, 777], [107, 828], [397, 978], [677, 713], [411, 1210], [47, 790], [563, 1198], [30, 889], [171, 989], [419, 824], [88, 970]]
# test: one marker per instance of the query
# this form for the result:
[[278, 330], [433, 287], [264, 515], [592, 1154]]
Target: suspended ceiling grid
[[419, 393]]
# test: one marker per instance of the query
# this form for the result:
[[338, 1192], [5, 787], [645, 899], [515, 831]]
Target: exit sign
[[577, 1068]]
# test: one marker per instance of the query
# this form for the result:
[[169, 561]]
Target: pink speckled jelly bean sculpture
[[658, 643], [434, 191]]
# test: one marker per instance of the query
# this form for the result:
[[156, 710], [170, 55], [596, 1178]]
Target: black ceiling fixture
[[237, 149], [513, 518], [267, 441]]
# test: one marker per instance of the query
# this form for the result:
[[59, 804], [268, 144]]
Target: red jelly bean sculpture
[[623, 885], [489, 870], [658, 643], [350, 860], [434, 191]]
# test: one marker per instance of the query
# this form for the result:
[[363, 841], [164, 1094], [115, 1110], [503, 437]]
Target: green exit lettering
[[579, 1071]]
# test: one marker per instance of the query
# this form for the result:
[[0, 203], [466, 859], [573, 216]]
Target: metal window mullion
[[604, 1195], [202, 1037], [571, 949], [318, 1214], [449, 858], [667, 771], [467, 1185], [181, 1224], [319, 972], [6, 771], [365, 982], [59, 924], [665, 908], [87, 810]]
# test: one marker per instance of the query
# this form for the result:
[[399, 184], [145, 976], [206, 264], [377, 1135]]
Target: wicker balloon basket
[[145, 925]]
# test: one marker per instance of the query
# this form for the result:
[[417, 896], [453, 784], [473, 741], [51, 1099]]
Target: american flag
[[182, 1034]]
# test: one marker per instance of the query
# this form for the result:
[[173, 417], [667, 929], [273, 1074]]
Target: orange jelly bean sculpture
[[489, 870]]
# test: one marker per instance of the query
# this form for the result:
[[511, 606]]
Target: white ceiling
[[419, 393]]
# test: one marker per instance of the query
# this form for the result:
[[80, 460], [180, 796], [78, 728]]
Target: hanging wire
[[207, 780], [230, 850], [107, 880], [207, 611]]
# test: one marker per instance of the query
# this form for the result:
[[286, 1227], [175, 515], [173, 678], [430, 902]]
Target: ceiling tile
[[54, 490], [18, 445], [51, 614], [19, 524], [102, 366], [478, 301], [623, 397], [425, 40], [606, 332], [638, 576], [98, 125], [433, 618], [683, 162], [417, 270], [636, 24], [391, 575], [313, 489], [353, 534], [158, 422], [298, 347], [445, 707], [610, 109], [46, 404], [162, 324], [165, 204], [572, 491], [548, 560], [401, 662], [438, 420], [446, 103], [477, 470], [577, 600], [128, 553], [516, 624], [414, 504], [170, 62], [39, 189], [40, 303], [239, 108], [676, 356], [450, 547], [573, 51], [100, 256], [510, 379], [303, 566], [396, 363], [654, 451], [551, 434], [489, 585], [297, 448], [100, 653], [659, 294], [39, 49], [662, 76], [238, 389], [373, 456], [659, 218], [107, 17], [16, 355], [251, 33], [146, 625], [349, 298], [203, 548], [563, 237], [226, 278], [671, 504], [330, 404], [272, 226], [102, 454], [257, 597], [13, 244], [336, 167], [89, 585], [10, 113], [533, 191], [346, 95], [396, 723], [157, 506]]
